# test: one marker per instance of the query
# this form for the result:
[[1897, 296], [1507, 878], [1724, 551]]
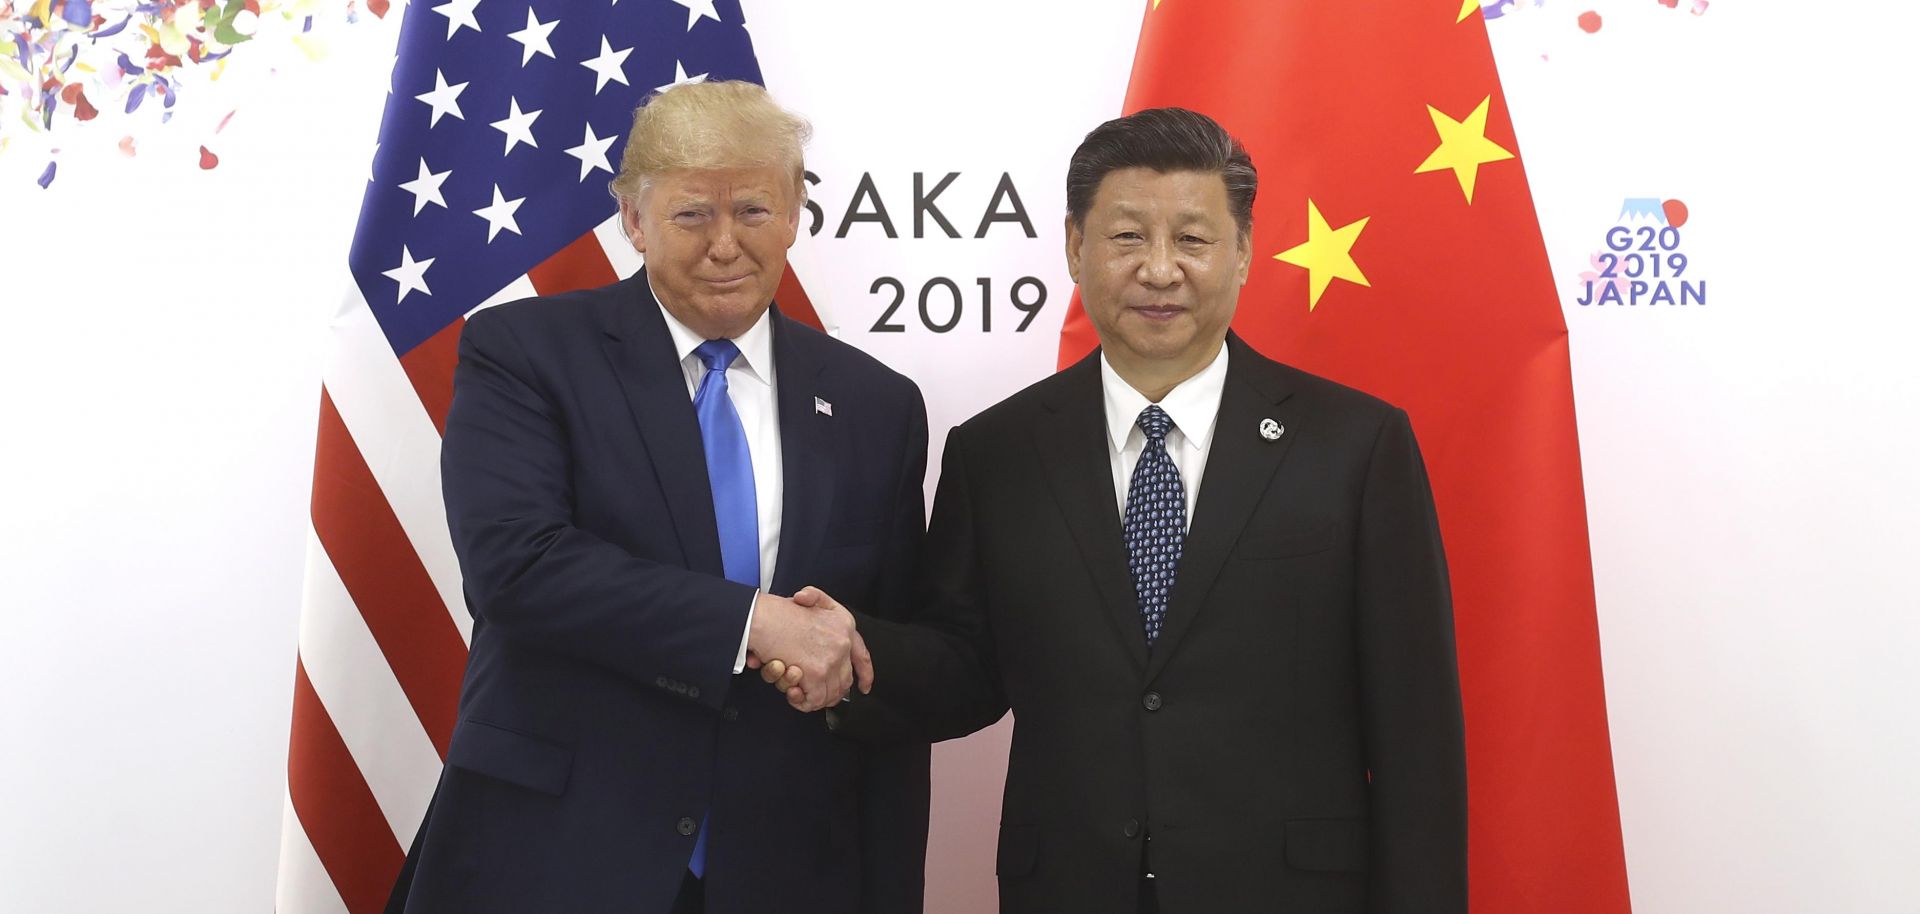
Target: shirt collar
[[1192, 404], [756, 345]]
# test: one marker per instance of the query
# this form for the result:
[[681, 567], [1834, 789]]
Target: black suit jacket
[[1293, 742], [600, 721]]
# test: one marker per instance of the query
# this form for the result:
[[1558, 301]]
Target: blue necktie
[[730, 474], [1156, 522]]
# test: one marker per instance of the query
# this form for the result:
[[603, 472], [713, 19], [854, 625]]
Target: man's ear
[[1074, 233], [630, 221], [793, 222], [1246, 255]]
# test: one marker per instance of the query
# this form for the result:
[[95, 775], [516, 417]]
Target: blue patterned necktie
[[1156, 521], [730, 474]]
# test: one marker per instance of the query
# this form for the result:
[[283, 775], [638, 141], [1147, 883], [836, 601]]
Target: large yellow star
[[1464, 146], [1326, 254], [1467, 8]]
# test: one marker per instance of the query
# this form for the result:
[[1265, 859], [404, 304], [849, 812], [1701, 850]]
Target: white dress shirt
[[750, 385], [1193, 405]]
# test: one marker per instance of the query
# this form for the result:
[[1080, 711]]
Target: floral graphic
[[67, 61]]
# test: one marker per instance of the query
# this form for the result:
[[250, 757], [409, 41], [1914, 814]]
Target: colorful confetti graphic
[[66, 61]]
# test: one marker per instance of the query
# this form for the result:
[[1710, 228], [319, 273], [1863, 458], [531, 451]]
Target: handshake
[[809, 648]]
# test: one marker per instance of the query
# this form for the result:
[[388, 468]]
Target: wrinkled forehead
[[766, 184], [1143, 194]]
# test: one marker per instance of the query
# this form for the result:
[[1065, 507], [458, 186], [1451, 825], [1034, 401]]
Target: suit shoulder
[[1325, 394], [1337, 395], [545, 316], [1030, 405], [868, 374]]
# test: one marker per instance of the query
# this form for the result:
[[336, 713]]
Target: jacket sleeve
[[1410, 684], [532, 575], [895, 785], [936, 677]]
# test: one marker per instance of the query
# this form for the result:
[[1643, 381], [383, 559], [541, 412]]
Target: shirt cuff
[[740, 659]]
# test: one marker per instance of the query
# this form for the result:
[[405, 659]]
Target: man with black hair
[[1209, 586]]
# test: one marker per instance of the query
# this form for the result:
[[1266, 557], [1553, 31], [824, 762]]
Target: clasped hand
[[809, 648]]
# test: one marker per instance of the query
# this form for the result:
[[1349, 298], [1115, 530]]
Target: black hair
[[1164, 140]]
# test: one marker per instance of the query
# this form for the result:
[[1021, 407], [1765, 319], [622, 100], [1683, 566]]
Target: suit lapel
[[641, 352], [1073, 455], [805, 453], [1240, 467]]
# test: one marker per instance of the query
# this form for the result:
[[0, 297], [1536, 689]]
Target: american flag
[[504, 122]]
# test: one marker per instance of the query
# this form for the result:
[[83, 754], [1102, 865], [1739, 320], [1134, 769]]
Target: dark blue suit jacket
[[600, 720]]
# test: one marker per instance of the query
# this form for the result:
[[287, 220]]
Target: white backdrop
[[1750, 481]]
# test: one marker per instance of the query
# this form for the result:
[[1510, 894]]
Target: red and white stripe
[[383, 627]]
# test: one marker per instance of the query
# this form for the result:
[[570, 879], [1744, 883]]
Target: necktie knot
[[717, 354], [1155, 422]]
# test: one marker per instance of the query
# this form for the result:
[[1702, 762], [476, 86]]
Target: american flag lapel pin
[[822, 407]]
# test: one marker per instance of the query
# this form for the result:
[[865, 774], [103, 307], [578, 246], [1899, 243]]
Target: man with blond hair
[[636, 478]]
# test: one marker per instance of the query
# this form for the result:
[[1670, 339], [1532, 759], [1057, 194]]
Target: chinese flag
[[1395, 249]]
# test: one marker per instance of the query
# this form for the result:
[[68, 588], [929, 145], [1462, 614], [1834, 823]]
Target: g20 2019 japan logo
[[1643, 262]]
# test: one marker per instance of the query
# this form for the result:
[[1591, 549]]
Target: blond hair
[[719, 124]]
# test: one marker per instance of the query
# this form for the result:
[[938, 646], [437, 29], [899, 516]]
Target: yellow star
[[1326, 254], [1467, 8], [1464, 146]]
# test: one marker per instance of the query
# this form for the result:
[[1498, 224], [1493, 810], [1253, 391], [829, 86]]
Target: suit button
[[660, 681], [693, 691], [1151, 702], [1133, 828], [731, 714], [686, 826]]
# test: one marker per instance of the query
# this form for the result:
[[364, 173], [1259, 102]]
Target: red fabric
[[430, 367], [794, 302], [1461, 326], [376, 562], [338, 812]]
